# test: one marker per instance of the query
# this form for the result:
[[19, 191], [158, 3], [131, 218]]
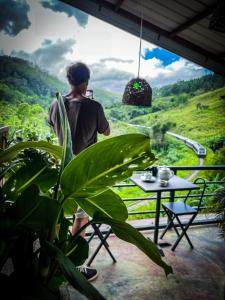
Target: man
[[86, 119]]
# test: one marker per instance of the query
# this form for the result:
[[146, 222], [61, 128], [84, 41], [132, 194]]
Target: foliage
[[28, 79], [218, 207], [20, 80], [120, 112], [217, 159], [203, 84], [37, 192], [25, 121], [106, 98], [216, 142]]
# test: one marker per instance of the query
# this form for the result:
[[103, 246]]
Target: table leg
[[158, 204], [157, 215], [156, 232]]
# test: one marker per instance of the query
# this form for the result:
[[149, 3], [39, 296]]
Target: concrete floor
[[199, 274]]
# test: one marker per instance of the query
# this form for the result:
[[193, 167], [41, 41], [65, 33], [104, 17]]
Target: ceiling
[[176, 25]]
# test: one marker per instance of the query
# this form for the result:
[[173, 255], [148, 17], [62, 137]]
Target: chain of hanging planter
[[137, 91]]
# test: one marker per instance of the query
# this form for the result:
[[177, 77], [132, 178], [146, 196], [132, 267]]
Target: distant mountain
[[193, 87], [106, 98], [21, 81], [27, 78]]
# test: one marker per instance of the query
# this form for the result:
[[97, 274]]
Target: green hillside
[[22, 76], [198, 124], [193, 87], [206, 126], [21, 81], [106, 98]]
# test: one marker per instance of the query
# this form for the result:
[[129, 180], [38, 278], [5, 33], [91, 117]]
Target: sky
[[53, 35]]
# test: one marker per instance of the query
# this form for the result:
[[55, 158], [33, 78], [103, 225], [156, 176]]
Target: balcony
[[198, 273]]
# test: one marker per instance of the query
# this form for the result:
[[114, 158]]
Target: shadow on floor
[[199, 274]]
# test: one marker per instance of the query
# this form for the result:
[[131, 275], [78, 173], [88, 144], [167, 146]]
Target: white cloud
[[111, 53], [178, 70], [51, 56]]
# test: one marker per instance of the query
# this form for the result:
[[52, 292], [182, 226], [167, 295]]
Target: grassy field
[[192, 122]]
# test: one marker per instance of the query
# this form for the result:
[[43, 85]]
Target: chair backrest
[[198, 200]]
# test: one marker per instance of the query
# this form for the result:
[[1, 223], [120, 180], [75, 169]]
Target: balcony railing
[[198, 221]]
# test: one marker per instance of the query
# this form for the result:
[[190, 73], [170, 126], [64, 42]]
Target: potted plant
[[44, 184]]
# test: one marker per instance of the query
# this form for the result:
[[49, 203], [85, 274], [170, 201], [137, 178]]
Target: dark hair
[[77, 73]]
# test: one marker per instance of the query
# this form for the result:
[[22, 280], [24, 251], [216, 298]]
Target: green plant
[[217, 206], [42, 186]]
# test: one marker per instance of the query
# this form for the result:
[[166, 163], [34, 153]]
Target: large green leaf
[[69, 207], [74, 277], [34, 211], [23, 177], [10, 153], [105, 163], [131, 235], [9, 167], [77, 250], [67, 154], [46, 179], [107, 203]]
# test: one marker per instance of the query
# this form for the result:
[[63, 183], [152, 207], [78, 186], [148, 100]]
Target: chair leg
[[171, 217], [102, 243], [184, 229], [94, 232], [99, 234]]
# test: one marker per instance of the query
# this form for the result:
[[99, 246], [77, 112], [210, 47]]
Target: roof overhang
[[124, 17]]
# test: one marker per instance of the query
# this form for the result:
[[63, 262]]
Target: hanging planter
[[137, 92]]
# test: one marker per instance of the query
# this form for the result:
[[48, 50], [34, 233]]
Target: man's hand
[[107, 131]]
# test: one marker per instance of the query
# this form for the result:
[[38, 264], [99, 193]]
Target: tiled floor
[[199, 274]]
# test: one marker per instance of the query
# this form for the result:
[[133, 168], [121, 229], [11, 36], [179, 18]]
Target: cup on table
[[154, 171], [147, 176], [163, 183]]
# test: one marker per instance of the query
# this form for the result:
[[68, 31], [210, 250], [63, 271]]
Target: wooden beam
[[203, 14], [118, 4]]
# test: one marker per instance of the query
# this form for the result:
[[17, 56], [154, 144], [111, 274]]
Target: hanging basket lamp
[[138, 91]]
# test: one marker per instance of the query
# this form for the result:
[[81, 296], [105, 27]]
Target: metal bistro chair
[[175, 210], [103, 237]]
